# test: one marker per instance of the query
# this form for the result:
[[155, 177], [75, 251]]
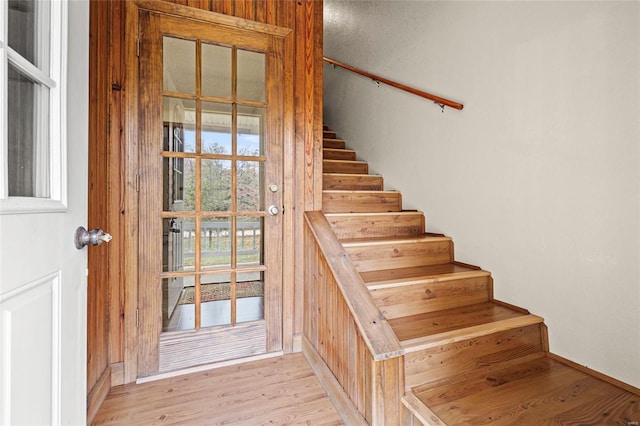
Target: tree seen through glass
[[215, 175]]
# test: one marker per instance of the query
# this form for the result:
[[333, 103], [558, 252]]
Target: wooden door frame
[[131, 155]]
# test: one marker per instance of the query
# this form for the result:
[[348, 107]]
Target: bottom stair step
[[535, 391], [445, 343]]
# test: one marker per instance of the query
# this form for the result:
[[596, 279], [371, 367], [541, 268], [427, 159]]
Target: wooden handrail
[[437, 99], [374, 328]]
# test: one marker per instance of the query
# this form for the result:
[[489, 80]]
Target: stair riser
[[438, 363], [377, 226], [378, 202], [415, 299], [338, 154], [390, 256], [333, 143], [352, 182], [338, 166], [328, 134]]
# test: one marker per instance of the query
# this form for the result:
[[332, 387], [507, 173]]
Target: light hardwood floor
[[274, 391]]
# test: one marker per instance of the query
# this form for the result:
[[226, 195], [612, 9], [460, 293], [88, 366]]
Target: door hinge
[[137, 182], [137, 318]]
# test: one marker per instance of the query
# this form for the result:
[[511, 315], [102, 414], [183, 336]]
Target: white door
[[43, 200]]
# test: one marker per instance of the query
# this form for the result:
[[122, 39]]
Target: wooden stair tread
[[434, 328], [427, 273], [391, 238], [538, 390], [338, 154], [377, 241], [349, 175], [357, 191], [402, 213], [338, 150], [346, 161]]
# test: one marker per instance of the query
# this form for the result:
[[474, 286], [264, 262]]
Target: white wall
[[537, 179]]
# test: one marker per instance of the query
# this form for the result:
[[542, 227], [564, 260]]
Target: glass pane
[[215, 242], [28, 31], [216, 185], [179, 124], [249, 231], [173, 184], [251, 130], [215, 296], [216, 128], [177, 232], [249, 185], [250, 296], [216, 70], [178, 179], [178, 309], [178, 244], [179, 65], [28, 136], [251, 71]]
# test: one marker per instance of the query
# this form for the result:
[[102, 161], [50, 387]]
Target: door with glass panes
[[210, 193]]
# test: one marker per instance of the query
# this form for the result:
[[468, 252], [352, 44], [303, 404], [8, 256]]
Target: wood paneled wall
[[107, 273], [98, 279]]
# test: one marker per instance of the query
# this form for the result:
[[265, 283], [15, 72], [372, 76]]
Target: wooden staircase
[[469, 359]]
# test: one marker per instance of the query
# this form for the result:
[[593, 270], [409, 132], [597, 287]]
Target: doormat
[[222, 291]]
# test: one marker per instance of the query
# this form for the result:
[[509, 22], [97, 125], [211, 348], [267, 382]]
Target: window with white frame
[[32, 113]]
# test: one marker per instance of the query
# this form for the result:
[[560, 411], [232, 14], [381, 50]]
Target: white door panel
[[17, 238], [38, 379], [43, 276]]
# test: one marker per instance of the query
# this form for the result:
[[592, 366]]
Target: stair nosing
[[393, 240], [426, 279], [361, 191], [347, 161], [340, 149], [351, 174], [420, 410], [403, 213], [453, 336]]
